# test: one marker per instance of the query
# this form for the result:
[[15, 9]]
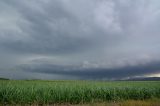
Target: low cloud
[[81, 72]]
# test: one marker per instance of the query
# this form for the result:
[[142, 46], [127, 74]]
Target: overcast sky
[[79, 39]]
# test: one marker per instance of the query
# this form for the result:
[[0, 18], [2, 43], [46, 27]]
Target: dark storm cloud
[[42, 36], [117, 36], [94, 73], [54, 27]]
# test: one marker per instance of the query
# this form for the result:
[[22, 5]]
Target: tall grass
[[73, 92]]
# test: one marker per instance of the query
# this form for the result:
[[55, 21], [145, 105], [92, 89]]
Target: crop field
[[76, 92]]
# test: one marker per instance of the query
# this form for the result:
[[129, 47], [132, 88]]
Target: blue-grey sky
[[79, 39]]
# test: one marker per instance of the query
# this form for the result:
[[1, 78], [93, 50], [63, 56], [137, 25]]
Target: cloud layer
[[102, 39]]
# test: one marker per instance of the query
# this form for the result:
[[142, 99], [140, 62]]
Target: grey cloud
[[94, 72], [49, 30], [66, 31], [53, 28]]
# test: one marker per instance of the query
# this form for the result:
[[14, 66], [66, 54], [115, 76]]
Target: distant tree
[[4, 79]]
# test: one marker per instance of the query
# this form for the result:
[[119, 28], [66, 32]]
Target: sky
[[79, 39]]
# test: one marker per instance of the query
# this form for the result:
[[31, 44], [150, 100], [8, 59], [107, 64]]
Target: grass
[[76, 92]]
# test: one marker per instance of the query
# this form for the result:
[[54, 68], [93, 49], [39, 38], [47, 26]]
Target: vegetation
[[76, 92], [4, 79]]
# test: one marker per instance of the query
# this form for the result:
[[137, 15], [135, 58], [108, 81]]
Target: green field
[[76, 92]]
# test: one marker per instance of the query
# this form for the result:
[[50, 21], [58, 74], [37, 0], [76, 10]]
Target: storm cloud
[[95, 39], [82, 72]]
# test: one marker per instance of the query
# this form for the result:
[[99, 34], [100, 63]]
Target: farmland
[[76, 92]]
